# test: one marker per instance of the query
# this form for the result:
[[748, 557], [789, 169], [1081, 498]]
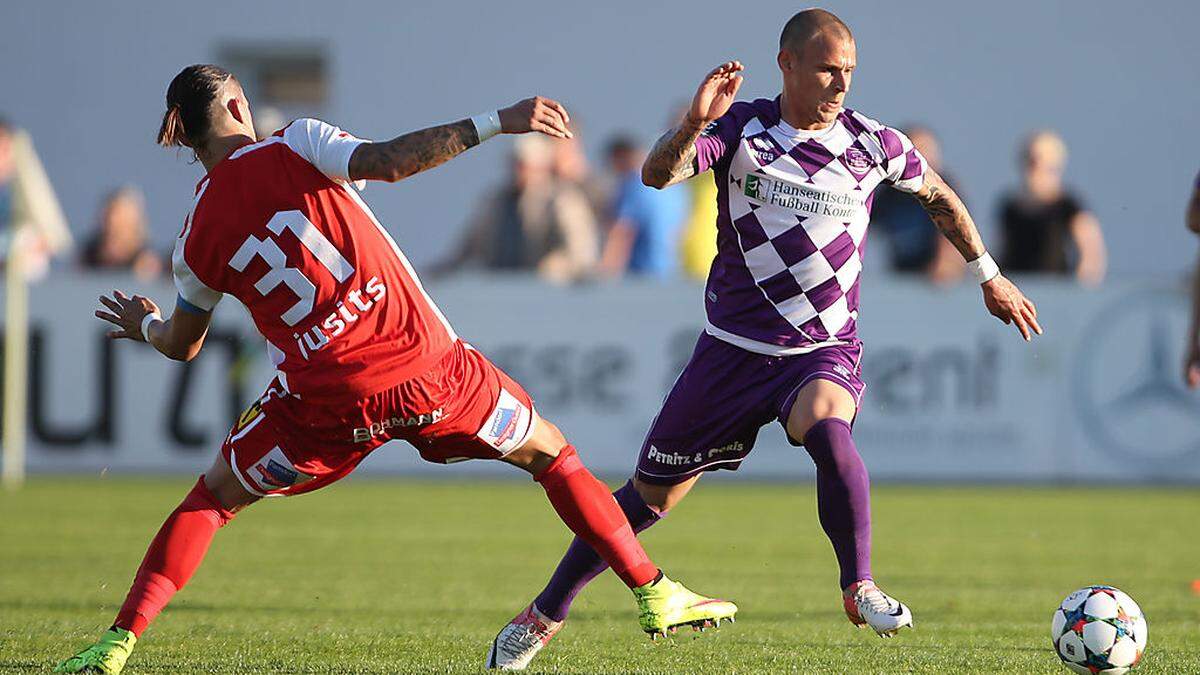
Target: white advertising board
[[952, 394]]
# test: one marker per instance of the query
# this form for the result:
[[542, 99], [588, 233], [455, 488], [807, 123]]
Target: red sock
[[173, 556], [587, 507]]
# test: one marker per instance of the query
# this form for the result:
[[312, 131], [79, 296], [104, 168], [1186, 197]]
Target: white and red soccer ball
[[1099, 630]]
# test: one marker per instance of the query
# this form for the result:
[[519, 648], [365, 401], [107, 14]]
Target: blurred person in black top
[[914, 242], [1046, 228]]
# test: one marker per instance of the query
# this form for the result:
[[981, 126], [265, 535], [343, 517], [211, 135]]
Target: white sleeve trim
[[190, 287], [323, 145]]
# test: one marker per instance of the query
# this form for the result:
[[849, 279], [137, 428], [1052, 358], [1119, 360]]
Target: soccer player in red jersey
[[363, 354]]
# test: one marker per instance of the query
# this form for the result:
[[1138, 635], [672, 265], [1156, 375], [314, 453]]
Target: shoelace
[[518, 641], [876, 600]]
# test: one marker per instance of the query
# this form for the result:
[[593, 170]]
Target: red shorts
[[462, 408]]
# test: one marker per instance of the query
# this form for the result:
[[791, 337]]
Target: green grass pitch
[[399, 576]]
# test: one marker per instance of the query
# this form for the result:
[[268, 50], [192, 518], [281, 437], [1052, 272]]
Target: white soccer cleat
[[867, 605], [521, 640]]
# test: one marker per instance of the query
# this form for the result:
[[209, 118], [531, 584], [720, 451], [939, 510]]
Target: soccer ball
[[1099, 630]]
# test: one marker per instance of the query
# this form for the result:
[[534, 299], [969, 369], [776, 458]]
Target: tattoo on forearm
[[950, 216], [413, 152], [673, 158]]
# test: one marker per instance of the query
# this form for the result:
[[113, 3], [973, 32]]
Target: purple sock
[[843, 496], [581, 564]]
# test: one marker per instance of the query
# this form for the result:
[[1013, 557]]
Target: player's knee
[[223, 485], [537, 453], [663, 498], [819, 400]]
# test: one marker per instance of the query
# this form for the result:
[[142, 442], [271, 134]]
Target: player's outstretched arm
[[1002, 298], [419, 151], [673, 158], [137, 318]]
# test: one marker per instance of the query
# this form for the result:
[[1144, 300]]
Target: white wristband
[[486, 124], [983, 268], [149, 319]]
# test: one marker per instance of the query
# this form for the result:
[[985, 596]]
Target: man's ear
[[235, 108], [784, 60]]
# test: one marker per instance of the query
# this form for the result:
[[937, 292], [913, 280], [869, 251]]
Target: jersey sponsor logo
[[275, 472], [364, 434], [508, 424], [857, 159], [688, 458], [736, 446], [356, 303], [803, 199], [841, 370], [276, 475], [763, 150]]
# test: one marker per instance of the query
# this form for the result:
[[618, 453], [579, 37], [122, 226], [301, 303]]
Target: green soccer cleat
[[107, 656], [665, 605]]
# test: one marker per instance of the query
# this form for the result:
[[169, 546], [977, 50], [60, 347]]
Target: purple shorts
[[724, 395]]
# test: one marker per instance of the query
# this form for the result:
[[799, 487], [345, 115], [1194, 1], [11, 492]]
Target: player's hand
[[126, 314], [1191, 364], [716, 94], [539, 114], [1006, 302]]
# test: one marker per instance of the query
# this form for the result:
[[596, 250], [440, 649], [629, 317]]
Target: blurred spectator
[[698, 244], [28, 204], [571, 166], [1191, 351], [915, 243], [644, 236], [1045, 227], [533, 223], [119, 242]]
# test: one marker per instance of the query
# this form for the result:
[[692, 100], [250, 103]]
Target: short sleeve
[[1072, 205], [720, 138], [903, 164], [325, 146], [192, 290]]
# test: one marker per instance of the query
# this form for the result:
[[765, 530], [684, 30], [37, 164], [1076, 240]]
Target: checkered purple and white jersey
[[793, 208]]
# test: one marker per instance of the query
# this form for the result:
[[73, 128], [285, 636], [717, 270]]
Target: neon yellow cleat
[[107, 656], [666, 605]]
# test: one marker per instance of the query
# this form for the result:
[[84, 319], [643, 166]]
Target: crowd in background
[[560, 217]]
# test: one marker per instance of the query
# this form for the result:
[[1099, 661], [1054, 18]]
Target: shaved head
[[806, 25]]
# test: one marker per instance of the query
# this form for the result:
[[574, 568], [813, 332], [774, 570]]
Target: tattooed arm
[[412, 153], [673, 158], [419, 151], [950, 216], [1002, 298]]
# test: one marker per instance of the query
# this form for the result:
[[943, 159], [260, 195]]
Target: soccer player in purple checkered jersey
[[795, 175]]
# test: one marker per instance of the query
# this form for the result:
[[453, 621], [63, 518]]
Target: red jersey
[[279, 226]]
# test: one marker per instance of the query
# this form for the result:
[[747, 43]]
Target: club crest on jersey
[[857, 160], [508, 424]]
